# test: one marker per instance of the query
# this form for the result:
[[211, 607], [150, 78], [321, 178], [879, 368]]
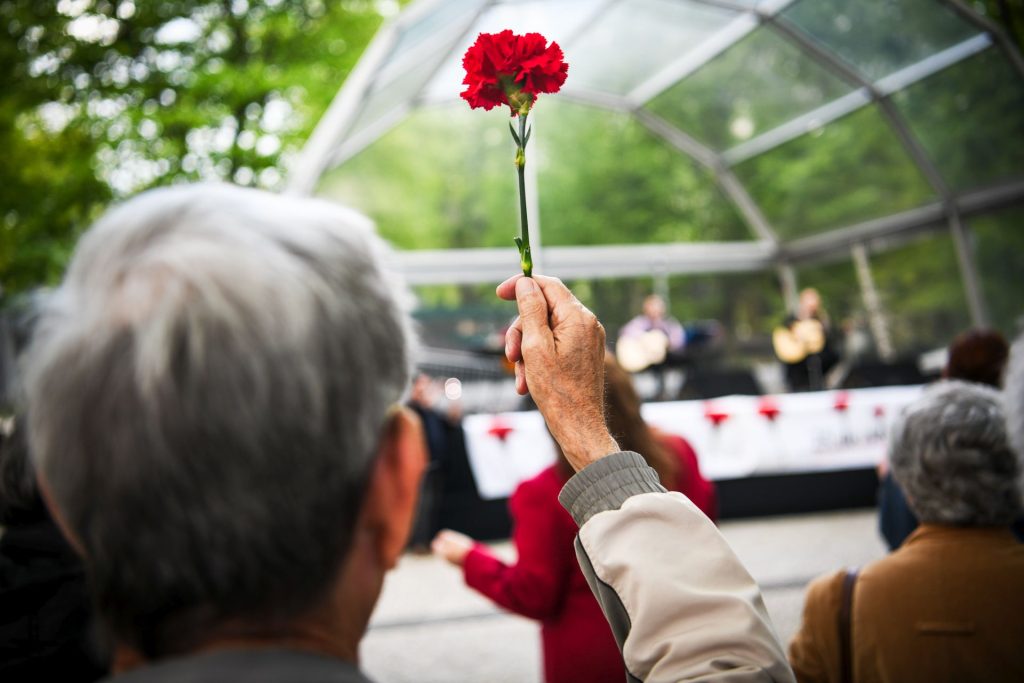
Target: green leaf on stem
[[528, 133], [515, 136]]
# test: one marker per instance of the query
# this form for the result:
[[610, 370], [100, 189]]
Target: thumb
[[533, 310]]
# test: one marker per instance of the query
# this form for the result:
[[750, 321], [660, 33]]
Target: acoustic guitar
[[799, 340], [636, 353]]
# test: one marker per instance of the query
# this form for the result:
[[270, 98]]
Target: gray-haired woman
[[948, 605]]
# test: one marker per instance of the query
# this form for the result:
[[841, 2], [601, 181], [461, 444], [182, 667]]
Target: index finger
[[555, 292]]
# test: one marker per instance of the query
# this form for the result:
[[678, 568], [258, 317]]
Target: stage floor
[[429, 627]]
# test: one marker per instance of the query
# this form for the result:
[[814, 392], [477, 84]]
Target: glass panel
[[389, 96], [852, 170], [880, 36], [999, 255], [605, 180], [443, 178], [437, 19], [970, 118], [556, 20], [922, 293], [759, 83], [634, 38]]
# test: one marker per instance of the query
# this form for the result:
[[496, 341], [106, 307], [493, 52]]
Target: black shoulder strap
[[846, 627]]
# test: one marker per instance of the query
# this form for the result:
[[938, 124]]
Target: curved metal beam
[[991, 27], [315, 156], [629, 260], [721, 40], [840, 68], [930, 217], [854, 100]]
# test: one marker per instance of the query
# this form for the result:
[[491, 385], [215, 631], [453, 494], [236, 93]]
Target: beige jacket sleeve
[[680, 603]]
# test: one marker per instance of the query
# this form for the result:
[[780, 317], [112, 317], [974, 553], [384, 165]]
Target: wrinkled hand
[[557, 346], [452, 546]]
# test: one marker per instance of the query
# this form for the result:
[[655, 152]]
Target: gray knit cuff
[[606, 484]]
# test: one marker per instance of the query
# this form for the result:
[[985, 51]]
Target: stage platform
[[768, 455], [464, 509]]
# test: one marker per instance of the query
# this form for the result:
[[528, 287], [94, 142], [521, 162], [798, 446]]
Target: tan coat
[[681, 605], [948, 605]]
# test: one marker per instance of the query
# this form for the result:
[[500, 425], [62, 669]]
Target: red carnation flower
[[505, 68]]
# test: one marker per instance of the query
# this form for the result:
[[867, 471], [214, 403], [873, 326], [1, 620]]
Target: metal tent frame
[[333, 142]]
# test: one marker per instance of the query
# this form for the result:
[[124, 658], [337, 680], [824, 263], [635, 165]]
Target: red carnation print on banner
[[510, 69], [500, 429]]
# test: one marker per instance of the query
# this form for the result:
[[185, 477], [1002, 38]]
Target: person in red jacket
[[546, 583], [671, 456]]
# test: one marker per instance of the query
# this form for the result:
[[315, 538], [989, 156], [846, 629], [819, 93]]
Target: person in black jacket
[[46, 622], [47, 629]]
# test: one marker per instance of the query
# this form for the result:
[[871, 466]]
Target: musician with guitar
[[650, 340], [804, 344]]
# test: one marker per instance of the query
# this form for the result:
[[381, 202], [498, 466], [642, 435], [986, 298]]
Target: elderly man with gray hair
[[948, 605], [214, 414]]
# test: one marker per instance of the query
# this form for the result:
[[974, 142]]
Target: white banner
[[734, 436]]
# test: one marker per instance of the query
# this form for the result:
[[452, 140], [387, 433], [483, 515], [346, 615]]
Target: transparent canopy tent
[[726, 152]]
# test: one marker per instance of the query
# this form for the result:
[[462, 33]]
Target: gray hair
[[951, 456], [1014, 398], [205, 395]]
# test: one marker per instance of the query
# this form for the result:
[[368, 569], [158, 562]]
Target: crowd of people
[[214, 420]]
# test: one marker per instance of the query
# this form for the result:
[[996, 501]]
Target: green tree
[[102, 98]]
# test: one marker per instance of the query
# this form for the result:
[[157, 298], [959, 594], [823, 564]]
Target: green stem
[[525, 256]]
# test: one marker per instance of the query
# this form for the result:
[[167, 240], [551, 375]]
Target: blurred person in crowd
[[945, 606], [805, 344], [671, 456], [654, 318], [437, 429], [46, 622], [653, 340], [212, 416], [47, 629], [545, 583], [974, 356]]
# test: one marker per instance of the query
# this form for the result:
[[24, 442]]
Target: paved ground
[[430, 628]]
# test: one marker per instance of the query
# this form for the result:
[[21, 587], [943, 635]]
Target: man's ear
[[394, 485], [57, 514]]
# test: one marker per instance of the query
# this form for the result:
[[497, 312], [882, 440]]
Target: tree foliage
[[102, 98]]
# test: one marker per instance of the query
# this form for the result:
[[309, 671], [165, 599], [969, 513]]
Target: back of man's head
[[206, 393]]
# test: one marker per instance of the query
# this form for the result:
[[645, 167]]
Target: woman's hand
[[452, 546]]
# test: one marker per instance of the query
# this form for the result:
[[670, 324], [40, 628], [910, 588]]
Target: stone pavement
[[430, 628]]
